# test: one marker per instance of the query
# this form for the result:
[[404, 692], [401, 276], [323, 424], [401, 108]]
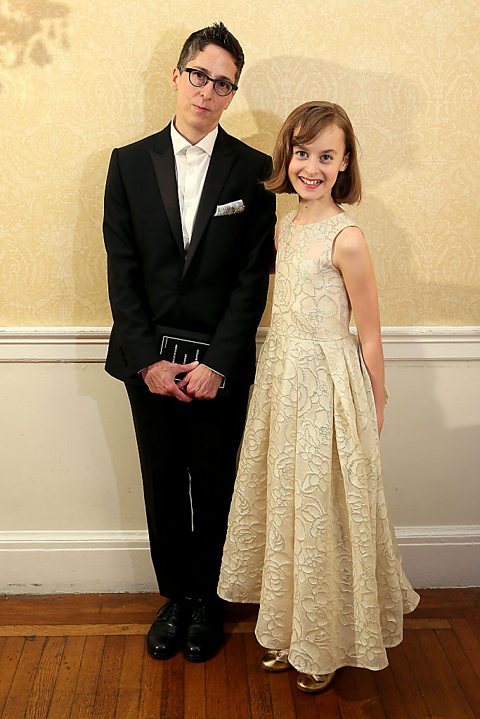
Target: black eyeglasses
[[200, 79]]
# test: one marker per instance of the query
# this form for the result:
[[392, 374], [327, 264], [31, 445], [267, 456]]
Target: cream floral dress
[[309, 536]]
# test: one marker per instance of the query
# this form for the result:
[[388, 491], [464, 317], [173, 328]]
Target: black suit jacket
[[219, 287]]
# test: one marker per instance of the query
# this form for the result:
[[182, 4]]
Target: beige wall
[[77, 78], [81, 470]]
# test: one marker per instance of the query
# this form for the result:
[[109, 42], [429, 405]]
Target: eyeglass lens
[[200, 79]]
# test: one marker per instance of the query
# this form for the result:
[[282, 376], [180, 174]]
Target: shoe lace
[[169, 611], [200, 614]]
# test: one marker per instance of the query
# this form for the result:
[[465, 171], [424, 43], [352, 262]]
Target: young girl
[[309, 536]]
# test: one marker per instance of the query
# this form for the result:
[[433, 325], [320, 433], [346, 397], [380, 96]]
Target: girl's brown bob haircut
[[300, 128]]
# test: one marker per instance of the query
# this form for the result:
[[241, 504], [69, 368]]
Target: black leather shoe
[[205, 632], [165, 636]]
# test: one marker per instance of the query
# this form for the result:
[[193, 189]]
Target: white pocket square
[[230, 208]]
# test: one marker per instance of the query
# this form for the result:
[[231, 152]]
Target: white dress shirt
[[191, 163]]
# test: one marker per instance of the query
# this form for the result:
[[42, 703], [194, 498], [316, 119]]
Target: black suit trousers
[[188, 454]]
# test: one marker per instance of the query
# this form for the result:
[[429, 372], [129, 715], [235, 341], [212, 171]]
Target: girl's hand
[[380, 418]]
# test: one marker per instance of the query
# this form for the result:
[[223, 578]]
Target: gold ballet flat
[[313, 684], [275, 661]]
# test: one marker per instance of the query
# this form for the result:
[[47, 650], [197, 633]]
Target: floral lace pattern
[[309, 536]]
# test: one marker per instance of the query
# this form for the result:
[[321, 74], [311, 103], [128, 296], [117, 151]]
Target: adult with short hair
[[188, 230]]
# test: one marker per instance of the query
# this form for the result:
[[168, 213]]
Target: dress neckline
[[318, 222]]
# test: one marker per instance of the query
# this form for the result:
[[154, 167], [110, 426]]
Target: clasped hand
[[199, 382]]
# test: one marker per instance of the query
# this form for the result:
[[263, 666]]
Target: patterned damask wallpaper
[[78, 78]]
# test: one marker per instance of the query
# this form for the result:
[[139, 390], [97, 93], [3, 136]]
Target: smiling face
[[199, 109], [314, 167]]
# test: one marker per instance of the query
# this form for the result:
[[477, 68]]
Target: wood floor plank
[[130, 679], [16, 703], [240, 628], [126, 629], [446, 598], [148, 603], [109, 679], [304, 704], [126, 603], [426, 623], [40, 619], [48, 608], [456, 706], [365, 692], [431, 689], [41, 691], [64, 691], [470, 643], [240, 612], [474, 593], [437, 613], [151, 688], [327, 704], [216, 686], [258, 684], [85, 658], [9, 658], [357, 694], [283, 703], [74, 609], [406, 680], [471, 612], [390, 696], [463, 669], [73, 630], [86, 688], [195, 699], [237, 680], [122, 608], [473, 618], [172, 688]]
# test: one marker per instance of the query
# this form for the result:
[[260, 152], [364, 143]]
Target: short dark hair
[[301, 127], [216, 34]]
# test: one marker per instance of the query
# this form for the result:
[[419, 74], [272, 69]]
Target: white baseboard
[[119, 561], [75, 562], [445, 556]]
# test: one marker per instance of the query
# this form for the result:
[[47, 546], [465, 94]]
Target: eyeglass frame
[[214, 81]]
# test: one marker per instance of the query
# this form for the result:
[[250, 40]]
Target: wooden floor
[[83, 656]]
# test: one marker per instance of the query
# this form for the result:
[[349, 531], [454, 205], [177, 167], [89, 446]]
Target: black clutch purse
[[182, 347]]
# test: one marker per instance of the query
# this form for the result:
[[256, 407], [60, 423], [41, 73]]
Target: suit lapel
[[164, 166], [222, 160]]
